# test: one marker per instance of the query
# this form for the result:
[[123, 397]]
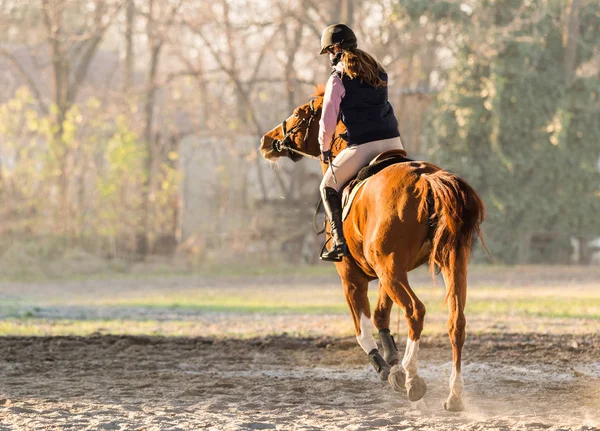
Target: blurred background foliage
[[129, 128], [518, 119]]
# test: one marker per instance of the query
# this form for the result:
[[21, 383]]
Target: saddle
[[379, 163]]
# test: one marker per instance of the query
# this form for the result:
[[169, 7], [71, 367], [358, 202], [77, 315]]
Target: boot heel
[[343, 250], [336, 253]]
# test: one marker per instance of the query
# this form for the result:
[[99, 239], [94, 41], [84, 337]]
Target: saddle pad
[[348, 197], [377, 165]]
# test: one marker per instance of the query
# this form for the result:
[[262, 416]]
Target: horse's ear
[[319, 90]]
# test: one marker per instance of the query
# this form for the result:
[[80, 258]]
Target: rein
[[279, 145], [317, 209]]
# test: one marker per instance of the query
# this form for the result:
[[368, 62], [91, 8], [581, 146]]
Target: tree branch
[[28, 79], [92, 44]]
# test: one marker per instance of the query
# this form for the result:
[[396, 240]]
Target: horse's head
[[299, 132]]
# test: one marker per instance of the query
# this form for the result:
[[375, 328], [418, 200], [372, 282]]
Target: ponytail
[[359, 64]]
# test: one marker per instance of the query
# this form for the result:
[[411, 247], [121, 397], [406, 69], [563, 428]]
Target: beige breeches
[[349, 161]]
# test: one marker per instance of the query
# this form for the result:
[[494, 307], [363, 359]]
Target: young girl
[[357, 88]]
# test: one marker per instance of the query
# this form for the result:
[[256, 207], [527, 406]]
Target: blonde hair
[[359, 64]]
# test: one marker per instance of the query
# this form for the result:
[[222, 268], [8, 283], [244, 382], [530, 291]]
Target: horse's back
[[395, 188], [385, 217]]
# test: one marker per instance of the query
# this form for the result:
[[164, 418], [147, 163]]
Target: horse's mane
[[319, 90]]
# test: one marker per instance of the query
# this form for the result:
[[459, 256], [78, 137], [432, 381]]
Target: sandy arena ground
[[142, 383], [513, 379]]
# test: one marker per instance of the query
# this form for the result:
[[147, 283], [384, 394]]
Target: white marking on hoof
[[409, 362], [366, 339], [456, 384], [454, 402], [415, 385]]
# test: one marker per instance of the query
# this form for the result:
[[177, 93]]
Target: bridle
[[285, 143]]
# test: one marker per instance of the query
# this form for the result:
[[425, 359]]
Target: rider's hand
[[326, 156]]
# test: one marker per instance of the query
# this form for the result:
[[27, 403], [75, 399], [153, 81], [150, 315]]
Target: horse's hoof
[[384, 373], [416, 388], [454, 404], [397, 378]]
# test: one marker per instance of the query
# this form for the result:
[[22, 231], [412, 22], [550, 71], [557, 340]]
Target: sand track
[[513, 381]]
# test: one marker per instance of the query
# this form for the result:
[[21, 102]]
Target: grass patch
[[123, 270], [483, 301], [580, 308], [172, 328], [45, 327], [262, 308], [246, 302], [274, 299]]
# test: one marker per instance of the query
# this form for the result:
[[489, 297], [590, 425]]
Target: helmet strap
[[336, 58]]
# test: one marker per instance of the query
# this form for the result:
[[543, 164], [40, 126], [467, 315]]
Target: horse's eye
[[296, 114]]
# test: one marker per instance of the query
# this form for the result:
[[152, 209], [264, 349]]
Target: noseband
[[285, 143]]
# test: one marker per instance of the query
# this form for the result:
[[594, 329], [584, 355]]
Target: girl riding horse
[[356, 89], [404, 216]]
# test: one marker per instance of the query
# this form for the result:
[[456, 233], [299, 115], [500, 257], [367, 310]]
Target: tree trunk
[[570, 37], [524, 248], [66, 88], [52, 15], [129, 21], [155, 47], [347, 12]]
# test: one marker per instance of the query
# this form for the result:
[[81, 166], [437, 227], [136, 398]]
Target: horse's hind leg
[[397, 287], [381, 317], [455, 277], [356, 289]]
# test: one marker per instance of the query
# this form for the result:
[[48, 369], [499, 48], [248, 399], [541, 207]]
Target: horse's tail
[[455, 212]]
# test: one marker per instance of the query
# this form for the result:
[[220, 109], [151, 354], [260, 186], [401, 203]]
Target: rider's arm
[[334, 92]]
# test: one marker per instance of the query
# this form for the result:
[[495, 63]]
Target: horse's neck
[[338, 145]]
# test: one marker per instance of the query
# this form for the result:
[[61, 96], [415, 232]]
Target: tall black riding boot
[[332, 204]]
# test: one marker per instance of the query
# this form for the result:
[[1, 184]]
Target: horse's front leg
[[356, 288]]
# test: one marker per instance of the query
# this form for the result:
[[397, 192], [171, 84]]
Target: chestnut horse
[[404, 216]]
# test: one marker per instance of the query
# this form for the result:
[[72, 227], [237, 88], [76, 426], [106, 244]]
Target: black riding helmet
[[337, 33]]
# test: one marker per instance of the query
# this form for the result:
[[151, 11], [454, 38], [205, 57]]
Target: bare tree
[[159, 19], [71, 53], [570, 37], [227, 56], [129, 50]]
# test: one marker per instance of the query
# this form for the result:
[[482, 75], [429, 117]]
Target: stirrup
[[336, 253]]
